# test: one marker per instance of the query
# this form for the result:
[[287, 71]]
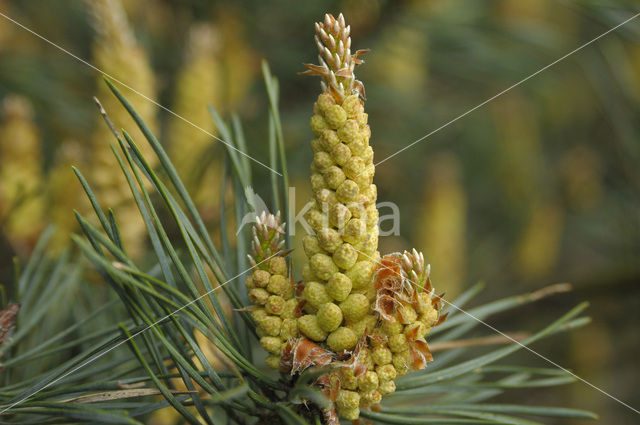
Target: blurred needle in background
[[509, 88]]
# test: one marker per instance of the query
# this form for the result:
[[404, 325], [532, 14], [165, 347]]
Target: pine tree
[[350, 333]]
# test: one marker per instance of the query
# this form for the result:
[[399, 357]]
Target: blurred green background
[[539, 186]]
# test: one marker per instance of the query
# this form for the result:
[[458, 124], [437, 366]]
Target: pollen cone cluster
[[22, 206], [408, 309], [116, 51], [199, 83], [271, 289], [342, 247], [362, 316]]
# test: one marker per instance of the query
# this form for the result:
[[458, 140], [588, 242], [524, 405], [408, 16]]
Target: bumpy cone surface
[[342, 249], [271, 289], [364, 316]]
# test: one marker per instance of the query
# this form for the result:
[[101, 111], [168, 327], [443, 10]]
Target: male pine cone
[[342, 251], [378, 311], [374, 312], [271, 289]]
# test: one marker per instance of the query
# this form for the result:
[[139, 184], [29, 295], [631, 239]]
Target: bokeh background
[[539, 186]]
